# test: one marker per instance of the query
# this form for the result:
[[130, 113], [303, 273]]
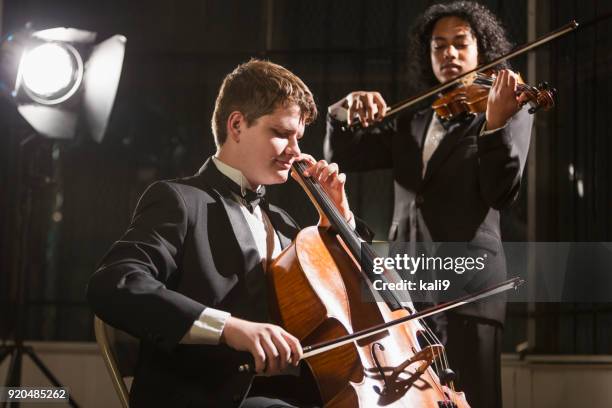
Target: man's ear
[[235, 123]]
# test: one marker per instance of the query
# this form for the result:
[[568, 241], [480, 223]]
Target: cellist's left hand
[[329, 176]]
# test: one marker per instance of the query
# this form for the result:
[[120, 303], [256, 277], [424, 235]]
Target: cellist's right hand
[[272, 348], [366, 106]]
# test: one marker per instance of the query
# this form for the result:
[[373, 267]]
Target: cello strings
[[339, 221], [332, 212], [431, 339], [443, 361]]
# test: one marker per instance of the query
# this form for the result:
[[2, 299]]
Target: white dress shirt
[[209, 326]]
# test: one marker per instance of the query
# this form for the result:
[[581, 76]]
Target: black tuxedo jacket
[[469, 178], [188, 247]]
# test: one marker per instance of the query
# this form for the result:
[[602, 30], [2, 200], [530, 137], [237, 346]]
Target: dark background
[[177, 54]]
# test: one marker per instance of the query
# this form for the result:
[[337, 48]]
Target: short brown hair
[[256, 88]]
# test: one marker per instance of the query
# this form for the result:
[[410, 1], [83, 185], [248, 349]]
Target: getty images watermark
[[553, 271]]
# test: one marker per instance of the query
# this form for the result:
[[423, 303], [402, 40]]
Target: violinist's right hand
[[272, 347], [367, 106]]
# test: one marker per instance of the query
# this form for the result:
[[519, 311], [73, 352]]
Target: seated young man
[[188, 276]]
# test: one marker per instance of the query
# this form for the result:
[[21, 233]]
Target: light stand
[[51, 105], [31, 178]]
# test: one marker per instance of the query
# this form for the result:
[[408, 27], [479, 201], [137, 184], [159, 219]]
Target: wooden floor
[[536, 382]]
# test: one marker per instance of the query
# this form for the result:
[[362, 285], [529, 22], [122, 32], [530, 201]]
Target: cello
[[318, 283]]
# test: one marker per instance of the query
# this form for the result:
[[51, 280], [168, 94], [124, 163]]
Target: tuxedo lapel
[[252, 270], [419, 126], [455, 131]]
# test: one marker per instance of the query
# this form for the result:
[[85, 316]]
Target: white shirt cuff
[[207, 329], [486, 132], [338, 111]]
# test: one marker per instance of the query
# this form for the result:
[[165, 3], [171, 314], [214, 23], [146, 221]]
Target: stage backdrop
[[177, 54]]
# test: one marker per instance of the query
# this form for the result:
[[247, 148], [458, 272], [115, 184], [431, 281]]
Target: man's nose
[[293, 147]]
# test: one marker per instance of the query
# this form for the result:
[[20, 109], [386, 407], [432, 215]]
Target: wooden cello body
[[321, 295]]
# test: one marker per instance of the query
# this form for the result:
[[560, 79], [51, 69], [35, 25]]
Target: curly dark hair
[[489, 32]]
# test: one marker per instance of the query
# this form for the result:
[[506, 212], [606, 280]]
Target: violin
[[541, 96], [471, 94]]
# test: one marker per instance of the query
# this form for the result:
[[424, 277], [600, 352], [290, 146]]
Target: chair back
[[120, 353]]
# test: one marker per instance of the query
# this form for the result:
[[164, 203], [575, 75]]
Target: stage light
[[60, 79], [54, 78], [51, 72]]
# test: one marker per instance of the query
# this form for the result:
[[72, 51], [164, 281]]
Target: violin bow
[[400, 106]]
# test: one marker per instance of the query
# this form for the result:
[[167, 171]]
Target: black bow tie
[[253, 198], [250, 198]]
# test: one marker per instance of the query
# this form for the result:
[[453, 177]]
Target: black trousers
[[283, 391], [473, 346]]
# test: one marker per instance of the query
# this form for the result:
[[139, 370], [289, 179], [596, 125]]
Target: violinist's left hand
[[329, 176], [503, 102]]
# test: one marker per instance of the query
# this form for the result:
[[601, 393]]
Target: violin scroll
[[544, 98]]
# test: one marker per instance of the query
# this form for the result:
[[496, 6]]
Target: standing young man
[[450, 179], [188, 276]]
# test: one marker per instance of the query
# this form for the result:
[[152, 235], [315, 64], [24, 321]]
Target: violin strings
[[486, 80]]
